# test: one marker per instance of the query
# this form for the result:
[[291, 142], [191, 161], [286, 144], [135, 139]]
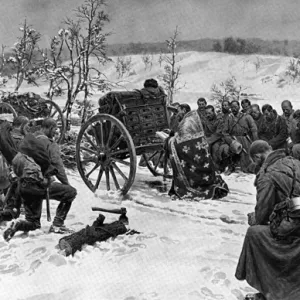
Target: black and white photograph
[[149, 150]]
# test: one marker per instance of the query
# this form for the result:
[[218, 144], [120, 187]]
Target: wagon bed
[[126, 126]]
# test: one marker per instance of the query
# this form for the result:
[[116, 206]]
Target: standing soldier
[[239, 132], [225, 110], [273, 129], [246, 105], [256, 115], [287, 109], [201, 102], [213, 131]]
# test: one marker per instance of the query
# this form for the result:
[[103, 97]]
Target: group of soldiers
[[231, 131]]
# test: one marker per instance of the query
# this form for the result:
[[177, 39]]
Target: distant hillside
[[227, 45], [259, 46]]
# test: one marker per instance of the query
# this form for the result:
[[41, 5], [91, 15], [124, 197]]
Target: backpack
[[34, 148], [26, 168], [4, 173]]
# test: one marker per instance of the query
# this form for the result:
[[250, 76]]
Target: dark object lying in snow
[[98, 232]]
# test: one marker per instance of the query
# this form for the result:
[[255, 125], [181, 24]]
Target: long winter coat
[[243, 128], [268, 265], [274, 132]]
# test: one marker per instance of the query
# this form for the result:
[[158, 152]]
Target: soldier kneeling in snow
[[34, 165]]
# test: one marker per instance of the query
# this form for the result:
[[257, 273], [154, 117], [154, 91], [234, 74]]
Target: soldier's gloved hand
[[12, 177], [251, 219], [46, 182]]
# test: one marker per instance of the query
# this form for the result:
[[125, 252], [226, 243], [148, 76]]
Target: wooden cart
[[35, 108], [125, 127]]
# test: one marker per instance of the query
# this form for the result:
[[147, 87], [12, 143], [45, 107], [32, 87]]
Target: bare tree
[[3, 79], [123, 65], [293, 69], [257, 63], [160, 59], [147, 60], [2, 57], [22, 59], [171, 74], [83, 39], [226, 90], [51, 67]]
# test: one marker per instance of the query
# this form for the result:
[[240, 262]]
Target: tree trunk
[[19, 82], [85, 104], [50, 90], [68, 109], [98, 232]]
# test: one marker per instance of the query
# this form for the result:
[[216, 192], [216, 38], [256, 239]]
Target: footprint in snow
[[167, 240], [219, 277], [5, 256], [34, 265], [227, 220], [39, 250], [237, 212], [207, 292], [142, 237], [71, 217], [57, 260], [10, 269], [224, 230], [238, 294], [79, 223], [195, 295]]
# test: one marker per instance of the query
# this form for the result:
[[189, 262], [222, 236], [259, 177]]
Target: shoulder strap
[[237, 122]]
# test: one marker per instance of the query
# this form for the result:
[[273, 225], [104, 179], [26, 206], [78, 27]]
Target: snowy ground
[[186, 250]]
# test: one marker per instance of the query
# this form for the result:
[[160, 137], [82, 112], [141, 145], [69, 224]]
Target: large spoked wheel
[[158, 163], [105, 153], [7, 109], [52, 111]]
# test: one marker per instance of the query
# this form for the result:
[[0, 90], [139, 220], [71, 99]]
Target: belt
[[24, 182]]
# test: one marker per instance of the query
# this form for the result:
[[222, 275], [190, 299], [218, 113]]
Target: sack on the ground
[[7, 144], [34, 148], [285, 219], [4, 173]]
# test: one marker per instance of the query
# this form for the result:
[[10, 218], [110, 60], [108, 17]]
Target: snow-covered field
[[200, 70], [186, 250]]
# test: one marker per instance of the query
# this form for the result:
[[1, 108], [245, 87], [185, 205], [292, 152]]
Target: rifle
[[48, 205], [50, 172]]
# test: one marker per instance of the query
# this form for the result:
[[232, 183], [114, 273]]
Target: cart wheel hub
[[102, 156]]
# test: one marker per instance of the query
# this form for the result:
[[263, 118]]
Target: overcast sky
[[154, 20]]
